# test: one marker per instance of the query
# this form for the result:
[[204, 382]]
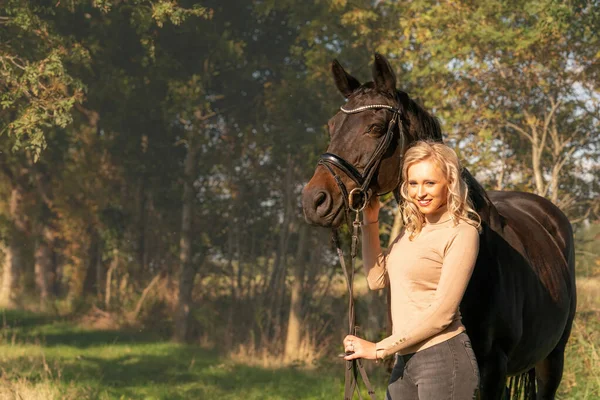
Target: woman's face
[[427, 187]]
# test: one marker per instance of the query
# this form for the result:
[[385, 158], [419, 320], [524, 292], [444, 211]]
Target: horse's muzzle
[[319, 207]]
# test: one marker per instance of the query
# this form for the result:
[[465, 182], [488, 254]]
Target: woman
[[428, 268]]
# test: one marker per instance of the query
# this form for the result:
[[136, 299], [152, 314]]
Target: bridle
[[363, 181]]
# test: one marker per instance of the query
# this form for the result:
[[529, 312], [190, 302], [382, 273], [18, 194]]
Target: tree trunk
[[13, 260], [279, 263], [141, 226], [500, 178], [228, 340], [91, 282], [187, 272], [44, 267], [99, 270], [537, 170], [294, 331], [10, 274], [108, 291], [278, 287]]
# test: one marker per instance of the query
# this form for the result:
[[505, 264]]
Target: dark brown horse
[[520, 302]]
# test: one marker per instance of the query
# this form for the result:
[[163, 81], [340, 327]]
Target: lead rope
[[353, 367]]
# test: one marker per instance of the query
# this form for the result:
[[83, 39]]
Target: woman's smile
[[428, 189]]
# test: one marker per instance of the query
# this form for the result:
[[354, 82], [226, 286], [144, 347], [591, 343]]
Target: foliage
[[38, 84], [54, 356], [41, 353], [587, 254], [102, 101], [511, 79], [38, 91]]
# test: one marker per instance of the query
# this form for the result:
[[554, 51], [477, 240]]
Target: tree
[[512, 77]]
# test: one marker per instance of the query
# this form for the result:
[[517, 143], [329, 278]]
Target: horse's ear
[[345, 82], [383, 75]]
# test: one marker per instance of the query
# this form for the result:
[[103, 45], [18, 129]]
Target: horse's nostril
[[322, 203], [320, 198]]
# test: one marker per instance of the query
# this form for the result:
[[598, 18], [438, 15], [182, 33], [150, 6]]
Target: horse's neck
[[424, 126], [481, 202]]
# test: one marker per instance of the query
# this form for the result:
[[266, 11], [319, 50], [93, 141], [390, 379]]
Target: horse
[[520, 303]]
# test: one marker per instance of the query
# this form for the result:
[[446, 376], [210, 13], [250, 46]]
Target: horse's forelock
[[366, 94], [368, 89]]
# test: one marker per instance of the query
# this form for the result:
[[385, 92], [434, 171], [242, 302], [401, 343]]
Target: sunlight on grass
[[53, 358], [581, 378], [588, 290], [58, 360]]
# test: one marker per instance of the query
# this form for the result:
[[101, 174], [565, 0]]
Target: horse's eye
[[374, 130]]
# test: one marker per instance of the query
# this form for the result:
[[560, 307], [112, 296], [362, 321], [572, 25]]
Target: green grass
[[581, 377], [45, 358], [50, 358]]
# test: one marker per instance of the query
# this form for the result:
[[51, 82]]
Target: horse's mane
[[427, 127], [481, 202], [424, 126]]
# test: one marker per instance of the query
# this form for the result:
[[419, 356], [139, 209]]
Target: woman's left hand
[[361, 348]]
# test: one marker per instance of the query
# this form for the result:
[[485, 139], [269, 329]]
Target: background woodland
[[152, 153]]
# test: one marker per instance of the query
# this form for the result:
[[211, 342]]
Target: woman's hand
[[371, 211], [361, 348]]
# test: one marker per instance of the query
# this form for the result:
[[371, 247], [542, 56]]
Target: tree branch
[[565, 158], [520, 130], [133, 316], [553, 108]]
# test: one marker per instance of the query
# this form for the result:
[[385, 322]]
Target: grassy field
[[51, 358], [581, 378], [47, 358]]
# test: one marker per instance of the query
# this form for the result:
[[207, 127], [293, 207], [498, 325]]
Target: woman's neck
[[440, 215]]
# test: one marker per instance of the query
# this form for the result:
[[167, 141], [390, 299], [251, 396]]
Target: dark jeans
[[447, 370]]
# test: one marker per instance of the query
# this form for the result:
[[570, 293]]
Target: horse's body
[[520, 303]]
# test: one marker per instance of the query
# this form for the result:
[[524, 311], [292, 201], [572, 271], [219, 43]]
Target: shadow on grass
[[186, 372], [24, 319], [92, 338], [52, 331], [134, 364]]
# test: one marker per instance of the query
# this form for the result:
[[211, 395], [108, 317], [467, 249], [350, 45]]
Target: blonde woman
[[428, 268]]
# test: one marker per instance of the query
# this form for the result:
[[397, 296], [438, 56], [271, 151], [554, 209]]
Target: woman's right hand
[[371, 211]]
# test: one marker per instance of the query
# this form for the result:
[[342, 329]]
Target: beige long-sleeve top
[[428, 276]]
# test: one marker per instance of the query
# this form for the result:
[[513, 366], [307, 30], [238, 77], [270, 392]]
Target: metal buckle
[[351, 195]]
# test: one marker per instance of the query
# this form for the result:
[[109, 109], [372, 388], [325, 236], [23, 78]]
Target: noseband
[[362, 180]]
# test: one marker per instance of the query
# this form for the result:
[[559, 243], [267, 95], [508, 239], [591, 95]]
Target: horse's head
[[368, 138]]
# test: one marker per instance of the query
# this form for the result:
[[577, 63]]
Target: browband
[[368, 107]]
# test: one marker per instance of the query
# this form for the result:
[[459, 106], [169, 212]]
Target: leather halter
[[363, 181]]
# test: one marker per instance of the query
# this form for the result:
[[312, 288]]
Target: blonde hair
[[458, 202]]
